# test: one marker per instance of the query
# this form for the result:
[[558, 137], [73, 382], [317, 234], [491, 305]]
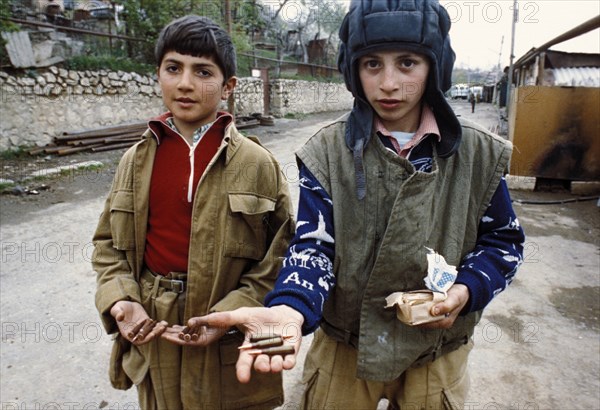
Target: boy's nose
[[185, 80], [390, 80]]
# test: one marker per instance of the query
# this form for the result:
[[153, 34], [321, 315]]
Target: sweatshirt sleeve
[[306, 277], [497, 255]]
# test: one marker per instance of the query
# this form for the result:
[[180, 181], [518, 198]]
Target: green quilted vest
[[380, 241]]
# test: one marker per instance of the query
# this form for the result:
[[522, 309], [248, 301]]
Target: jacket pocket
[[118, 377], [263, 390], [247, 224], [136, 362], [122, 220]]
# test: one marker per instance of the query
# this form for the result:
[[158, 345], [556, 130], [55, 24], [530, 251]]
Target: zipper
[[191, 156], [191, 178]]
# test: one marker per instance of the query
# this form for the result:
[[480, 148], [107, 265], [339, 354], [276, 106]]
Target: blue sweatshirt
[[486, 271]]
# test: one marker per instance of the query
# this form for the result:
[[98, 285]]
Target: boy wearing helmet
[[397, 175]]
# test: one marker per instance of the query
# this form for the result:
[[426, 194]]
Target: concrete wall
[[34, 109]]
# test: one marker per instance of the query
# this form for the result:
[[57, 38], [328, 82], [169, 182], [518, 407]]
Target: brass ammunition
[[184, 331], [273, 351], [146, 328], [190, 333], [258, 338], [136, 329], [275, 341]]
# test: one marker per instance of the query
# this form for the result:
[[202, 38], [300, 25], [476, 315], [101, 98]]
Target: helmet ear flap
[[446, 64]]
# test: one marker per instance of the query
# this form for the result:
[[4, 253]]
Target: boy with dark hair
[[396, 176], [197, 220]]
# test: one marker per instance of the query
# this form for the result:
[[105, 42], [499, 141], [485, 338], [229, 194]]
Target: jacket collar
[[232, 139], [160, 127]]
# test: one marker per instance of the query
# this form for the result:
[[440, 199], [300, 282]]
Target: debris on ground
[[121, 136]]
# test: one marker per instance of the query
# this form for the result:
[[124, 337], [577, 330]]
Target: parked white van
[[459, 91]]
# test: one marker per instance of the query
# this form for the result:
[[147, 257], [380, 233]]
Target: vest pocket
[[247, 224], [122, 220]]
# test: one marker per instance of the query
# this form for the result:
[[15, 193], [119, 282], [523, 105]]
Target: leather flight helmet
[[420, 26]]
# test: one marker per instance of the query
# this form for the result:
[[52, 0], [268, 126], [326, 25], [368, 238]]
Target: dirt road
[[537, 346]]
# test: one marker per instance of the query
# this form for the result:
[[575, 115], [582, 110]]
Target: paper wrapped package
[[414, 307]]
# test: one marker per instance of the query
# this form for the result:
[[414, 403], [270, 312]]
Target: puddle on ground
[[579, 304]]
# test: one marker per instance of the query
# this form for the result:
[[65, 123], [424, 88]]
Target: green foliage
[[14, 153], [107, 62], [146, 18], [5, 11], [247, 17], [5, 25], [5, 186], [295, 116]]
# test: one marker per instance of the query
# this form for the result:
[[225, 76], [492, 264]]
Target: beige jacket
[[242, 223]]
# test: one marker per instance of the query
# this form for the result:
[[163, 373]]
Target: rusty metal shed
[[554, 120]]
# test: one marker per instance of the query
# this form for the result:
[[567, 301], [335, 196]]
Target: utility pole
[[499, 68], [511, 67]]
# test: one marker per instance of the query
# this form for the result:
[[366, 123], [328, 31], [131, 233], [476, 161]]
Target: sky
[[478, 27]]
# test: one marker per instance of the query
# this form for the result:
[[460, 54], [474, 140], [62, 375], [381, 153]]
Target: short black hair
[[197, 36]]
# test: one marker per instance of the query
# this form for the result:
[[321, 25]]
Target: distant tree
[[291, 25], [275, 19], [6, 12], [329, 17], [145, 19]]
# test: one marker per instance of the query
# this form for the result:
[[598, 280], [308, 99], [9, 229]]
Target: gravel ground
[[537, 347]]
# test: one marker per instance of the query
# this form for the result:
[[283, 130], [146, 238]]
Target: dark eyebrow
[[209, 66], [195, 66], [172, 60]]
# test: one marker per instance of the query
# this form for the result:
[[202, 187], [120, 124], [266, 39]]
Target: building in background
[[553, 114]]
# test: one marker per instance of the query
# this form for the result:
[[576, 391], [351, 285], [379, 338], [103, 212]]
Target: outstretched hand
[[196, 333], [458, 296], [134, 323], [259, 321]]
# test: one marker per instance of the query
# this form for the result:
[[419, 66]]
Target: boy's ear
[[228, 87]]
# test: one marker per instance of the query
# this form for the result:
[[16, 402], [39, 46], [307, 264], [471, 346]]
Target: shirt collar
[[199, 133], [427, 126], [167, 119]]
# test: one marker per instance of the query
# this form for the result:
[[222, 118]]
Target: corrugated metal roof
[[577, 76]]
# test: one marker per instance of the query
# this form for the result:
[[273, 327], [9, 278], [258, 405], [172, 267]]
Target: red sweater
[[175, 176]]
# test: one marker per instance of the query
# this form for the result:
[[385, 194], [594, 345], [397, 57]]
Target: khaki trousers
[[331, 383], [160, 388]]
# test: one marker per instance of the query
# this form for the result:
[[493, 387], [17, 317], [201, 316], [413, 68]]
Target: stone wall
[[35, 108], [304, 97]]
